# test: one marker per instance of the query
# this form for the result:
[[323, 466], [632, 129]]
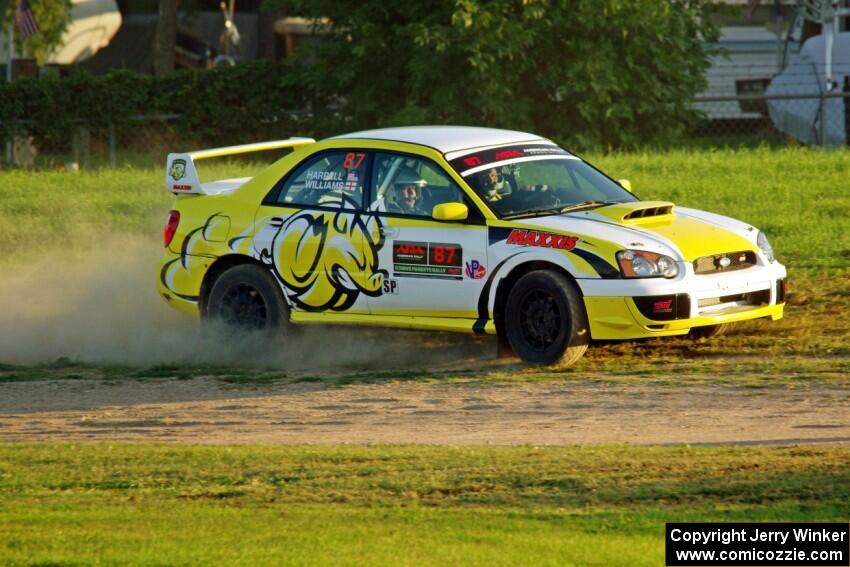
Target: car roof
[[446, 139]]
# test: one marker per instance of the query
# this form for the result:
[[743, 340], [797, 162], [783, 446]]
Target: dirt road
[[205, 410]]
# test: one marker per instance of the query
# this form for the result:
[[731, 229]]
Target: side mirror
[[450, 212], [625, 184]]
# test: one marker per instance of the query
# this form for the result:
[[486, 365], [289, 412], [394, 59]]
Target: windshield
[[540, 184]]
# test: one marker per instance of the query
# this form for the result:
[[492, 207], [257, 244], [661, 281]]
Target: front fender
[[570, 261]]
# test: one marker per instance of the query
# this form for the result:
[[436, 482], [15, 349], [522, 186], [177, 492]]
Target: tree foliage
[[585, 72], [52, 17]]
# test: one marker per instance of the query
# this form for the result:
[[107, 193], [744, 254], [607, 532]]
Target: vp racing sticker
[[475, 270]]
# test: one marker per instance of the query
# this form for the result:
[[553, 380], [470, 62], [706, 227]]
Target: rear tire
[[246, 298], [708, 331], [545, 319]]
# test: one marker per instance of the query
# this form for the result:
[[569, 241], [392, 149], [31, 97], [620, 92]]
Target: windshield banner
[[483, 158]]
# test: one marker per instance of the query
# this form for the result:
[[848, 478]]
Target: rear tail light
[[170, 227]]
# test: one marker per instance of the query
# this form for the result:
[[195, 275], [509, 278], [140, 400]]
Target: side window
[[410, 186], [331, 179]]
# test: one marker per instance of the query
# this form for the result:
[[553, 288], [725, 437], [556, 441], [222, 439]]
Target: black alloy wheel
[[246, 298], [545, 321], [243, 306], [540, 319]]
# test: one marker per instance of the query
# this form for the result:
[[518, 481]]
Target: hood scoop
[[638, 212]]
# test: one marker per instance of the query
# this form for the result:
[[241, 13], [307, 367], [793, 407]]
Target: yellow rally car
[[463, 229]]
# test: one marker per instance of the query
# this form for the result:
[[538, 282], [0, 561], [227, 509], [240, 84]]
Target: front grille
[[753, 298], [714, 264], [726, 303]]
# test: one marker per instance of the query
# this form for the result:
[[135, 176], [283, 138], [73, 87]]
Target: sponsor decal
[[390, 286], [496, 155], [663, 306], [178, 187], [428, 259], [324, 181], [177, 171], [475, 270], [326, 260], [507, 154], [410, 252], [497, 235], [522, 237]]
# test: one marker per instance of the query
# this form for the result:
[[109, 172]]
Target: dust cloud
[[103, 307]]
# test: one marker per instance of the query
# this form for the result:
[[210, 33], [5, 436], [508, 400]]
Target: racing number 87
[[353, 160], [444, 254]]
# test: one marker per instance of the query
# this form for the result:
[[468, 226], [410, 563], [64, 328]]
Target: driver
[[407, 197], [493, 185]]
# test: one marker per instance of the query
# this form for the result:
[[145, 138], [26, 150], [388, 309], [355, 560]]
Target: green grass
[[119, 504], [156, 505], [797, 196], [79, 211]]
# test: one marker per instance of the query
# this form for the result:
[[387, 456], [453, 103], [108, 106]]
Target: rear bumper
[[629, 309], [178, 282]]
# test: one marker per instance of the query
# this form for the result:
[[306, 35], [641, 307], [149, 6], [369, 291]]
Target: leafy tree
[[585, 72], [52, 17]]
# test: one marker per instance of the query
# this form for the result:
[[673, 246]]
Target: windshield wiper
[[533, 213], [567, 209], [587, 205]]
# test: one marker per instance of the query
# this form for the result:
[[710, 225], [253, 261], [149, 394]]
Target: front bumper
[[655, 307]]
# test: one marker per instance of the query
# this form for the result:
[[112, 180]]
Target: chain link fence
[[817, 120], [820, 119], [140, 141], [755, 101]]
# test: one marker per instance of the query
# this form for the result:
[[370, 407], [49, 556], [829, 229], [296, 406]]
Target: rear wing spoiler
[[181, 176]]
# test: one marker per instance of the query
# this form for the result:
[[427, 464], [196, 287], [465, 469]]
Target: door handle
[[388, 231]]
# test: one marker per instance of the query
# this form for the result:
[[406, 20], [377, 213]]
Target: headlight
[[640, 264], [765, 247]]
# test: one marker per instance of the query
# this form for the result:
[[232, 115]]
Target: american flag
[[24, 20]]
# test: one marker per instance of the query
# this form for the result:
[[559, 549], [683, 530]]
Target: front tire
[[247, 298], [545, 319]]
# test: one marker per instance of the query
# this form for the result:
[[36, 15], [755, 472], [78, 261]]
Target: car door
[[434, 268], [313, 233]]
